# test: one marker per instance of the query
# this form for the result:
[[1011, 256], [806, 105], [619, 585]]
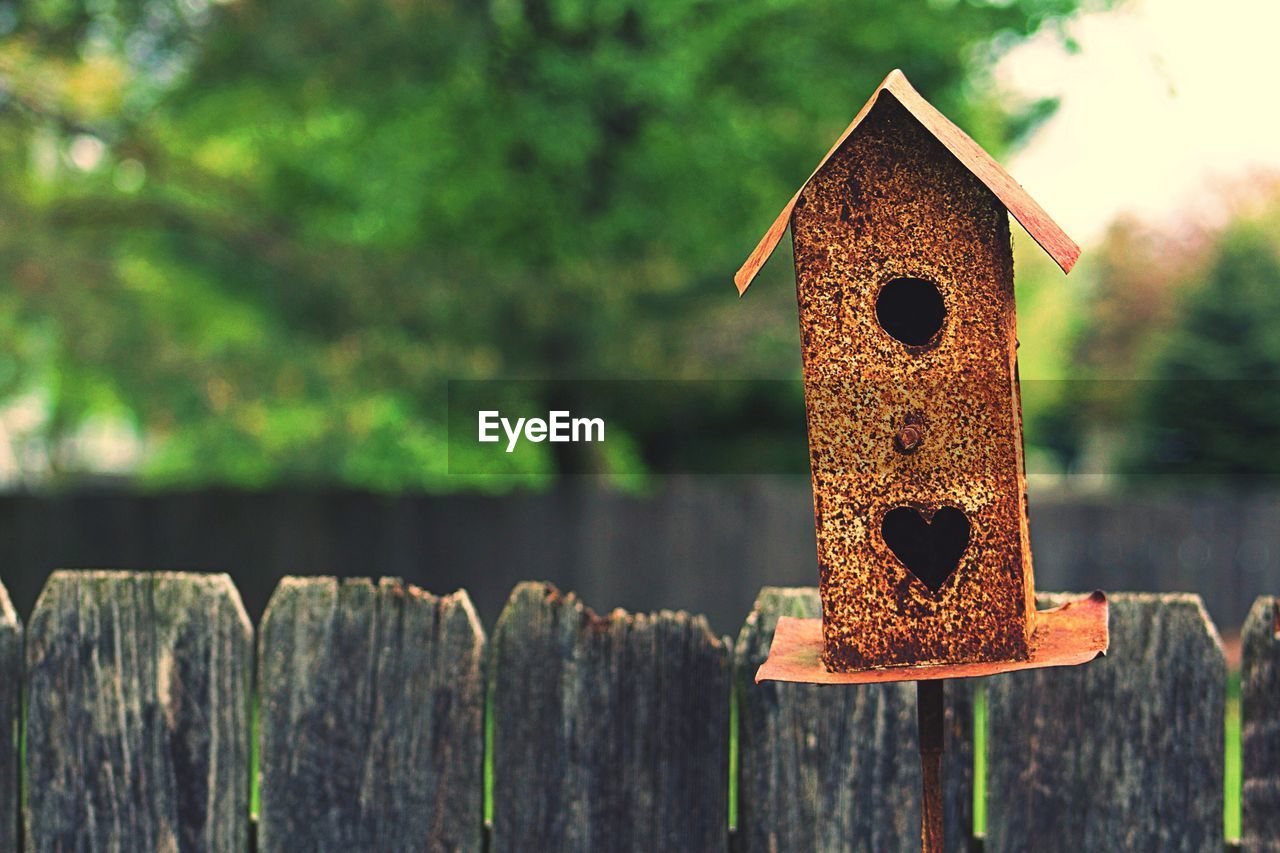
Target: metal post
[[931, 712]]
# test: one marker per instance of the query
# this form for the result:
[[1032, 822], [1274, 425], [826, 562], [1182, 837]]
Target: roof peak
[[1016, 200]]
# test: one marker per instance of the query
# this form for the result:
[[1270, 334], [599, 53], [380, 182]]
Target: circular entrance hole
[[911, 310]]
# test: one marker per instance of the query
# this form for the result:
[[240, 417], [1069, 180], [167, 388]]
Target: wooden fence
[[383, 713], [756, 530]]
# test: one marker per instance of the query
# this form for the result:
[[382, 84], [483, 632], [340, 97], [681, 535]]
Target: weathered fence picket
[[1260, 728], [609, 733], [10, 693], [836, 768], [1123, 753], [137, 731], [372, 718]]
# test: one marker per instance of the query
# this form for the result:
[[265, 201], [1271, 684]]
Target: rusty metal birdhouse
[[904, 280]]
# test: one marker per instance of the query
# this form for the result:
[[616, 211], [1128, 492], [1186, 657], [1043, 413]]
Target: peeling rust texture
[[893, 202]]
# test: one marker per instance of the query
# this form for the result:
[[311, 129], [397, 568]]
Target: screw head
[[909, 437]]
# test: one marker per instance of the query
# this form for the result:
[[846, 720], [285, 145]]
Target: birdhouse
[[904, 281]]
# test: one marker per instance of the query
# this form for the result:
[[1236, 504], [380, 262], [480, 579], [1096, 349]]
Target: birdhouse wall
[[894, 204]]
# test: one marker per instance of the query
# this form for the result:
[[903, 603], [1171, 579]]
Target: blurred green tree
[[267, 233], [1210, 412], [1122, 301]]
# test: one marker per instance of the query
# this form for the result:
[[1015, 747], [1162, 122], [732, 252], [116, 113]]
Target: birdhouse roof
[[1024, 208]]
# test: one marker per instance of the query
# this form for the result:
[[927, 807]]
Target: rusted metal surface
[[1071, 634], [1024, 208], [931, 716], [894, 203], [909, 437]]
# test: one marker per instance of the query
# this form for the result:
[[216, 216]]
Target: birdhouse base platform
[[1071, 634]]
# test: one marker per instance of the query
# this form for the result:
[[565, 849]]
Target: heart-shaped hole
[[930, 548]]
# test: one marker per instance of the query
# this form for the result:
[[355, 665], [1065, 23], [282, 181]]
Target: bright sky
[[1165, 100]]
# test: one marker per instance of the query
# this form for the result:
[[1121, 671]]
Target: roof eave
[[1047, 233]]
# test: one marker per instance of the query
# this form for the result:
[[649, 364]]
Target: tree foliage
[[267, 233], [1211, 411]]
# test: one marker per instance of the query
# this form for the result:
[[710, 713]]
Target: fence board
[[138, 714], [1125, 752], [371, 719], [1260, 730], [10, 693], [610, 733], [837, 767]]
